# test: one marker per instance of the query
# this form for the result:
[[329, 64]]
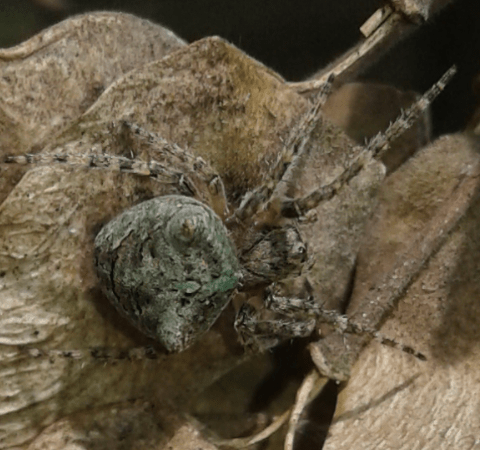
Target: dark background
[[297, 37]]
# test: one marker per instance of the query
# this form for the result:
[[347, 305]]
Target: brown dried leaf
[[391, 399], [333, 235], [54, 77], [221, 105], [50, 296], [337, 231], [137, 425]]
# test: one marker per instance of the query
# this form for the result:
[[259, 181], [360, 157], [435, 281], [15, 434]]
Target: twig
[[311, 386], [392, 27], [264, 434]]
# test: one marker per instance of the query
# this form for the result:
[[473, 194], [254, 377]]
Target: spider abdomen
[[168, 265]]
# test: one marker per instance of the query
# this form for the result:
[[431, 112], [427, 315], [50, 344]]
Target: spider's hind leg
[[285, 317], [99, 354], [379, 144], [275, 319], [340, 322]]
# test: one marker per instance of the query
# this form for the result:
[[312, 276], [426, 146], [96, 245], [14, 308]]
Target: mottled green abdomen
[[168, 265]]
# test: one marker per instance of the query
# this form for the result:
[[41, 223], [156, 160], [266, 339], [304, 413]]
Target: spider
[[171, 267], [257, 226]]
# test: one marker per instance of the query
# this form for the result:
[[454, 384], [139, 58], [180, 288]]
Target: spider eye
[[168, 265]]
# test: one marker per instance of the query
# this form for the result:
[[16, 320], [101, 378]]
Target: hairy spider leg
[[104, 160], [173, 167], [291, 155], [375, 148], [257, 333], [264, 334], [102, 354]]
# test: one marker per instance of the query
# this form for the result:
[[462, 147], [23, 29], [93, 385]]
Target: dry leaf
[[138, 425], [54, 77], [391, 399], [50, 297], [232, 111]]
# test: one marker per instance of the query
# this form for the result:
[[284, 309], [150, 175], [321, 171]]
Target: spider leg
[[102, 354], [374, 149], [173, 165], [379, 144], [295, 150], [262, 334], [126, 136], [297, 144], [340, 322]]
